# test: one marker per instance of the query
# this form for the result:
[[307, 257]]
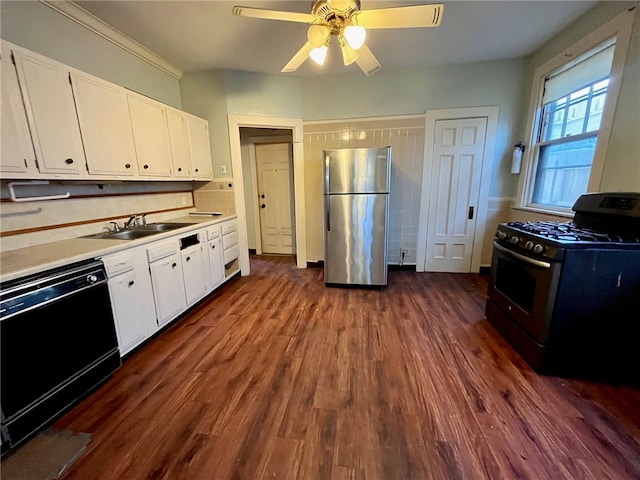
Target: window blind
[[582, 73]]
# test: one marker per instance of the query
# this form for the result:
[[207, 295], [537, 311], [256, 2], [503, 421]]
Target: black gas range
[[566, 295]]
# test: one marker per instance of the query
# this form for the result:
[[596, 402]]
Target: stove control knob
[[537, 248], [513, 240], [528, 245], [501, 235]]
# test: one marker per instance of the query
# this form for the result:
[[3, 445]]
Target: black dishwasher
[[57, 342]]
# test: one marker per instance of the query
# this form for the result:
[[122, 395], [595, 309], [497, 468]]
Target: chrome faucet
[[116, 227], [132, 219]]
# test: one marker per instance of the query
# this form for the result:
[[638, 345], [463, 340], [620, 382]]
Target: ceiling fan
[[345, 20]]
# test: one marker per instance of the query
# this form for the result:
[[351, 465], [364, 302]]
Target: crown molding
[[93, 23]]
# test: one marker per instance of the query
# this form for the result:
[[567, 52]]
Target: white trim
[[294, 124], [491, 114], [106, 31], [621, 27], [254, 198], [364, 119]]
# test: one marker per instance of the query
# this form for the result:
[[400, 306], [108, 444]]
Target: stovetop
[[569, 232]]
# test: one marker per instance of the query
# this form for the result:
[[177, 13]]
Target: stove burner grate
[[570, 232]]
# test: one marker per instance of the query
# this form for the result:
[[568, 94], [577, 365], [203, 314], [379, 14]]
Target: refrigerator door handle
[[327, 215]]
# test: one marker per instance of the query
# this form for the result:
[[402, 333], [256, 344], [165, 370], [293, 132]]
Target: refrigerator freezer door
[[356, 241], [357, 170]]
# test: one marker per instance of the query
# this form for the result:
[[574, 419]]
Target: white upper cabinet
[[150, 135], [103, 113], [199, 148], [49, 106], [179, 138], [17, 156]]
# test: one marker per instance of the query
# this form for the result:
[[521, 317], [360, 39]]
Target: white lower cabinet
[[168, 288], [131, 297], [216, 265], [193, 268], [151, 285]]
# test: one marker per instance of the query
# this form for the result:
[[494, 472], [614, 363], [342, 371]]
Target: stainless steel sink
[[162, 227], [139, 232]]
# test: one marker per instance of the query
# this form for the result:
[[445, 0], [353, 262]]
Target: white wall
[[38, 28]]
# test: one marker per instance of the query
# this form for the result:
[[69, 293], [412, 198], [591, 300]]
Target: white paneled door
[[273, 166], [454, 192]]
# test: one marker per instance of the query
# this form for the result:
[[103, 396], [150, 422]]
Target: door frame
[[295, 125], [432, 116]]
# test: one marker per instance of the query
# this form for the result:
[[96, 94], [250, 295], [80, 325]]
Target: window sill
[[544, 211]]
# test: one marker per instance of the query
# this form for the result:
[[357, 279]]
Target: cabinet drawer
[[230, 254], [117, 264], [228, 226], [213, 232], [161, 250], [229, 240]]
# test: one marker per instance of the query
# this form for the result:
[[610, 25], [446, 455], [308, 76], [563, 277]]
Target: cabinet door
[[17, 155], [133, 308], [199, 148], [150, 136], [103, 113], [179, 138], [168, 288], [193, 266], [48, 100], [216, 266]]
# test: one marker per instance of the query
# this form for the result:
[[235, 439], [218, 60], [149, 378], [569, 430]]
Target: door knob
[[262, 206]]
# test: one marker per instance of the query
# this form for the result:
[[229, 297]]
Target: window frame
[[619, 27]]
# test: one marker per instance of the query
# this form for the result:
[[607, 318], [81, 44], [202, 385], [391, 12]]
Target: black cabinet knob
[[128, 165], [179, 169], [262, 196], [197, 170], [131, 283], [69, 161], [262, 206], [145, 166], [188, 259], [213, 246], [174, 265]]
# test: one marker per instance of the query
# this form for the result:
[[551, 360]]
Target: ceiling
[[204, 35]]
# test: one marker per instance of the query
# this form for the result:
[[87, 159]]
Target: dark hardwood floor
[[278, 377]]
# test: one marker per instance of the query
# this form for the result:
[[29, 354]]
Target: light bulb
[[355, 36], [319, 54]]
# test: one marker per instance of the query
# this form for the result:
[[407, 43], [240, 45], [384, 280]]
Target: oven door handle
[[519, 256]]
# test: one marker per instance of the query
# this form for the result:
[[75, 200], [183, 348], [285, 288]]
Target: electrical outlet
[[183, 200], [223, 169], [404, 251]]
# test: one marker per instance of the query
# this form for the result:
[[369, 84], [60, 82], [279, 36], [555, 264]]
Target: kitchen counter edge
[[26, 261]]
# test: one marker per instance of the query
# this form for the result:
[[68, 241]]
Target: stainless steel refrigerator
[[356, 213]]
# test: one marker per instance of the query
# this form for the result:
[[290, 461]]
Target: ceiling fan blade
[[273, 14], [298, 59], [400, 17], [367, 61]]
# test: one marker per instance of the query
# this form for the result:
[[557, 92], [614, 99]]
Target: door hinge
[[25, 163], [70, 79], [13, 59]]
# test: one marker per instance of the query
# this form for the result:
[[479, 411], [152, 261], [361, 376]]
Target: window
[[569, 122], [570, 117]]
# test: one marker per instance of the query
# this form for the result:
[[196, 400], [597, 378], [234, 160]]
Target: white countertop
[[38, 258]]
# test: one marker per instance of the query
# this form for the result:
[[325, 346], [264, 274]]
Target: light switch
[[223, 169]]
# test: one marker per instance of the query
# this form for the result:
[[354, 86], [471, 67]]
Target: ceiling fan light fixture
[[355, 36], [318, 35], [319, 54], [349, 55]]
